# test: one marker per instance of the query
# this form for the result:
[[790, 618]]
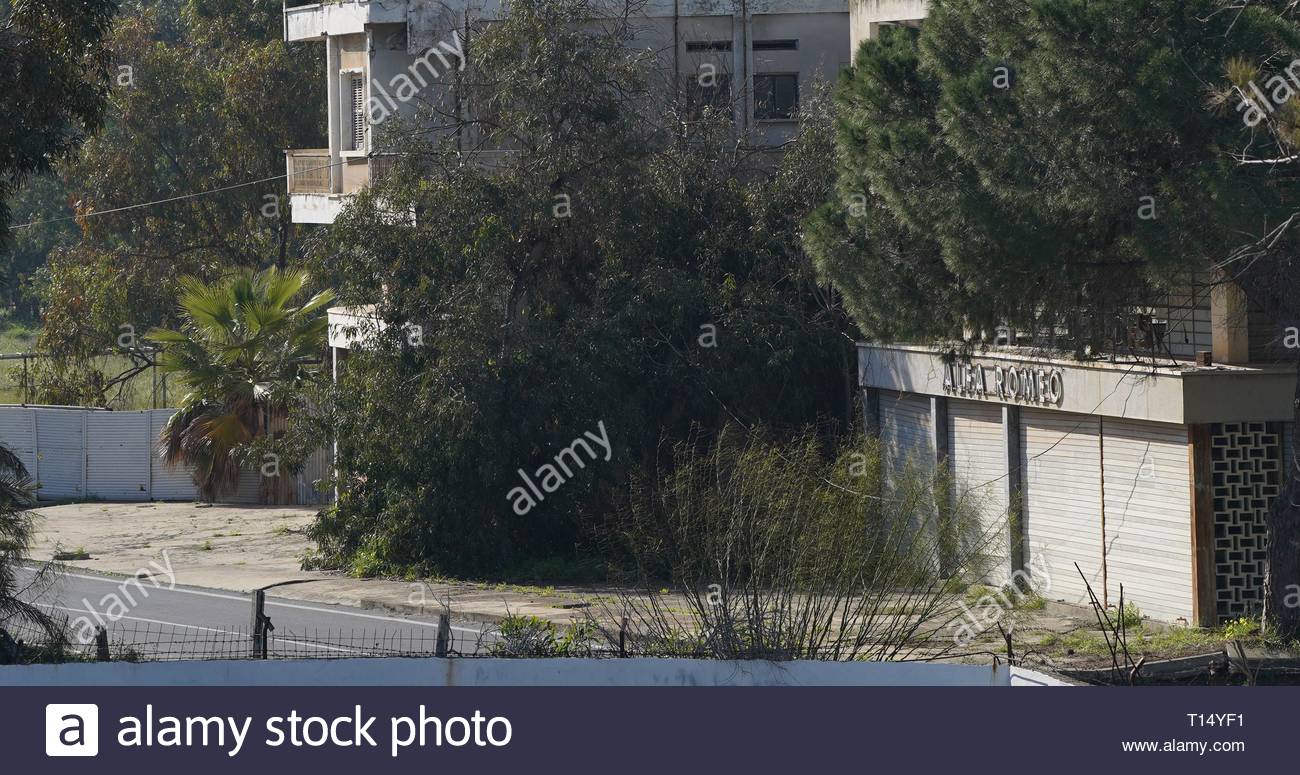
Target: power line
[[173, 199]]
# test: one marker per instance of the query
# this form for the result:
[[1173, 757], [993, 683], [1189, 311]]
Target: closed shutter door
[[1062, 481], [18, 435], [1148, 516], [62, 452], [249, 491], [905, 434], [169, 483], [978, 451], [117, 455]]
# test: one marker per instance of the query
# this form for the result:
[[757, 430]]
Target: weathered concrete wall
[[504, 672], [863, 14]]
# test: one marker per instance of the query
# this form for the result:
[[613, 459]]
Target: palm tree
[[244, 353], [16, 498]]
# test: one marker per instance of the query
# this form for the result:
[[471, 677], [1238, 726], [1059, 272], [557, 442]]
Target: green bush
[[532, 636], [674, 294]]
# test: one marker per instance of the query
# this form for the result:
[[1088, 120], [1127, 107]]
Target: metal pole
[[259, 624], [444, 634]]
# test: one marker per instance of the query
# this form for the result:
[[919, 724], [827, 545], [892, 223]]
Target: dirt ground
[[227, 547], [241, 548]]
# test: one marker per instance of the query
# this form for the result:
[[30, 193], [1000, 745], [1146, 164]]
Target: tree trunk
[[1282, 582]]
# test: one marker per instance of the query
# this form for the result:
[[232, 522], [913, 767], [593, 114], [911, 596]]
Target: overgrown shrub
[[792, 551]]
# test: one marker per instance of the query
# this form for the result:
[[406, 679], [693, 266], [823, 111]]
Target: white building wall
[[867, 16]]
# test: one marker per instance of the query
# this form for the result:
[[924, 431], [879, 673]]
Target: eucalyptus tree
[[54, 62], [206, 96], [572, 250]]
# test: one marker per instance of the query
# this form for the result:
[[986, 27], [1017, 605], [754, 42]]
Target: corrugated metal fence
[[74, 452]]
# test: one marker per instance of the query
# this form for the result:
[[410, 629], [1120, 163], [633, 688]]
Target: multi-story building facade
[[758, 57]]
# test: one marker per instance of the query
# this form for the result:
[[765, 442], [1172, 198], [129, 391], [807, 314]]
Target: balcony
[[315, 21], [309, 171], [319, 186]]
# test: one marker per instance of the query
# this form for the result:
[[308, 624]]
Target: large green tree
[[206, 97], [54, 64], [1054, 164], [619, 269]]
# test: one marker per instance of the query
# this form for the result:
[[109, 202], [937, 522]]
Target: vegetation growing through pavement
[[781, 550]]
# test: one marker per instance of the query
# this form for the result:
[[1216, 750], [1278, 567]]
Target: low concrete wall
[[505, 672]]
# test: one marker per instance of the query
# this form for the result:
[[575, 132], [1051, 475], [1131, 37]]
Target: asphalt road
[[155, 620]]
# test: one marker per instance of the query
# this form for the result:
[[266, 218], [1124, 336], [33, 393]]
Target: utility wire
[[173, 199]]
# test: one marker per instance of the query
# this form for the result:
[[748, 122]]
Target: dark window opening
[[788, 44], [776, 96], [708, 45]]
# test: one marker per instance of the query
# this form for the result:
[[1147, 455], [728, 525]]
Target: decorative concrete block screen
[[75, 453], [1247, 466]]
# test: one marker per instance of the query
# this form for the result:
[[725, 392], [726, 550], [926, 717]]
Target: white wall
[[504, 672], [75, 453]]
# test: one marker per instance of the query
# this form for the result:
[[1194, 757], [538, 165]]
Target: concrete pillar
[[1230, 338], [1204, 611], [939, 429], [335, 118], [1015, 487]]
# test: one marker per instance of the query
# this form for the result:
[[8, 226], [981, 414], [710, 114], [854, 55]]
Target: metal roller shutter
[[117, 455], [978, 451], [1148, 516], [60, 435], [905, 433], [1062, 483]]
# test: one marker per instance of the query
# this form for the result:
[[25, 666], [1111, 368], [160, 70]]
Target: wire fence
[[134, 641], [150, 642]]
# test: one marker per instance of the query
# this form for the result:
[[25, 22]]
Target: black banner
[[633, 730]]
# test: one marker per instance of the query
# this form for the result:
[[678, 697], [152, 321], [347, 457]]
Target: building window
[[354, 111], [715, 94], [776, 96], [787, 44], [708, 45]]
